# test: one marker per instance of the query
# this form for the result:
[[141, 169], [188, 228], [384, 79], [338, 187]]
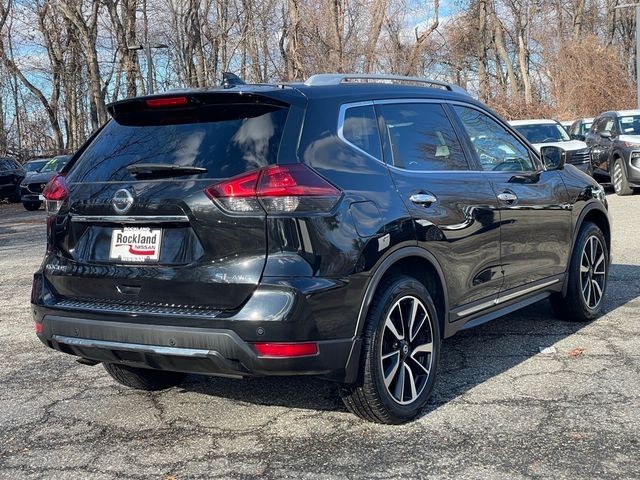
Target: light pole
[[637, 5], [147, 50]]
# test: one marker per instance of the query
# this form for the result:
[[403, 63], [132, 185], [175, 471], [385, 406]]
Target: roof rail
[[323, 79]]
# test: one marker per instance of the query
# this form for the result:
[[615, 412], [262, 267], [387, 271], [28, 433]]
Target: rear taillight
[[278, 189], [284, 350], [55, 193]]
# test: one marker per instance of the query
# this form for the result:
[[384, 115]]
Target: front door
[[534, 207], [454, 208]]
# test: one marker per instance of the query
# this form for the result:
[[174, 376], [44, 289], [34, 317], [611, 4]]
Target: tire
[[619, 179], [370, 398], [31, 206], [143, 378], [588, 273]]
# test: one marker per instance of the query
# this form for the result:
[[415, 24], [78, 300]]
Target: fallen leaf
[[576, 352]]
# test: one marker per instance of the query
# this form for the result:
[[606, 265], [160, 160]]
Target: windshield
[[544, 133], [54, 165], [630, 125], [34, 166]]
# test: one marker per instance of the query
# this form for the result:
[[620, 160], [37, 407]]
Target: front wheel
[[143, 378], [619, 179], [401, 346], [587, 277]]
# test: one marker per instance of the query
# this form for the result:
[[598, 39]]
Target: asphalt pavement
[[500, 409]]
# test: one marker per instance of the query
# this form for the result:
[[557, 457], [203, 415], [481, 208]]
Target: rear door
[[454, 208], [136, 234], [534, 209]]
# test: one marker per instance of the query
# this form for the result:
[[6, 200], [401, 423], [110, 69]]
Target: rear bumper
[[184, 349], [294, 310]]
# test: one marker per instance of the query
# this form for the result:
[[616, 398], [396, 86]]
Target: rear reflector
[[278, 189], [167, 102], [281, 350], [38, 328]]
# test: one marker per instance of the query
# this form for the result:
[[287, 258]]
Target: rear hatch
[[138, 227]]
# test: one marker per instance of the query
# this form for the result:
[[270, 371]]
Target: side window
[[598, 125], [421, 137], [496, 147], [575, 128], [360, 128], [610, 126]]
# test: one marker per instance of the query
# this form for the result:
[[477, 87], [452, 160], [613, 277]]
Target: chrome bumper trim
[[131, 347], [130, 218]]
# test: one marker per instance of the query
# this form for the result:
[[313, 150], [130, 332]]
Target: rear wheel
[[588, 272], [401, 346], [143, 378], [31, 206], [619, 179]]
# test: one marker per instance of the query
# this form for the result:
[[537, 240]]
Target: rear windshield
[[224, 140]]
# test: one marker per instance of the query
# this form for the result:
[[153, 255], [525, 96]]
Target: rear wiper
[[163, 170]]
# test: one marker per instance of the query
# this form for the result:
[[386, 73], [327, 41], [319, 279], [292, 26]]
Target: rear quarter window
[[224, 141]]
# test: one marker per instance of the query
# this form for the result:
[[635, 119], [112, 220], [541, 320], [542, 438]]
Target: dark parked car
[[32, 186], [580, 128], [33, 166], [11, 174], [614, 140], [341, 228]]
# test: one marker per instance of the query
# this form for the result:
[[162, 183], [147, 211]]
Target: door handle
[[424, 199], [507, 197]]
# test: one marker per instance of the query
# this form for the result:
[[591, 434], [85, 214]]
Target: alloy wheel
[[407, 350], [593, 271]]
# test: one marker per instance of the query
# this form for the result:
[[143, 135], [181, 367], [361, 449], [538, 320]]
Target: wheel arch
[[413, 261], [595, 214]]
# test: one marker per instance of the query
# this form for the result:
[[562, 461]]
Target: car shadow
[[468, 359]]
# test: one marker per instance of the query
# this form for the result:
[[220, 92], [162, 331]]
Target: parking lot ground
[[501, 408]]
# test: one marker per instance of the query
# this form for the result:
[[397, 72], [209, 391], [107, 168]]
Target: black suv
[[11, 174], [614, 140], [341, 228]]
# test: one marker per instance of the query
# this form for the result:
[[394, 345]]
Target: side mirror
[[554, 158], [577, 136], [605, 134]]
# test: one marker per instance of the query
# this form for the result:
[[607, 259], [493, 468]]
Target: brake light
[[281, 350], [55, 193], [167, 102], [277, 189]]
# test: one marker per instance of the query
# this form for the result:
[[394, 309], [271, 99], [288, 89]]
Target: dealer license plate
[[135, 244]]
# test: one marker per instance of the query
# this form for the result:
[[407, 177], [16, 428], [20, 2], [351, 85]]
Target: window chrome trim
[[390, 101], [342, 114], [129, 218]]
